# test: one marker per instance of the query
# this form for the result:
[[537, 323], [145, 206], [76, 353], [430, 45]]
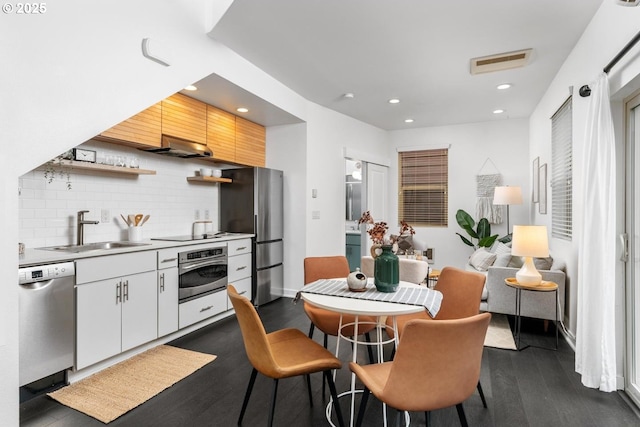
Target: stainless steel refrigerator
[[252, 203]]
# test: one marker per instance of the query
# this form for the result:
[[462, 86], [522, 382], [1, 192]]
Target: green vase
[[386, 270]]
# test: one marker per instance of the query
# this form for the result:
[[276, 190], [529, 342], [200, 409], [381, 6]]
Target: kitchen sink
[[93, 246]]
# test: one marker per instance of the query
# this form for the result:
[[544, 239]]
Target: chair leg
[[273, 402], [334, 395], [368, 339], [484, 401], [308, 377], [427, 418], [247, 394], [326, 342], [363, 405], [463, 418], [312, 328]]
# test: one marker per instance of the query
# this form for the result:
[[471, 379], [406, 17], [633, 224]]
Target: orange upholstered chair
[[331, 267], [461, 295], [437, 365], [280, 354]]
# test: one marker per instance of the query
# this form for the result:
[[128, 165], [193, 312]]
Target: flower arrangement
[[379, 229]]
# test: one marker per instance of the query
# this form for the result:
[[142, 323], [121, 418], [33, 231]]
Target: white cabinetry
[[240, 267], [167, 291], [116, 305]]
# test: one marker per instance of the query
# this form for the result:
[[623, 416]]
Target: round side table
[[544, 286]]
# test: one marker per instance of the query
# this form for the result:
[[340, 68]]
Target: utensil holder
[[135, 234]]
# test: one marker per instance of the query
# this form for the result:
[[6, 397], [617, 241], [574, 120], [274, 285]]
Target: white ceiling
[[416, 50]]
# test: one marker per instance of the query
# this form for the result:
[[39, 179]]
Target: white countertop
[[42, 256]]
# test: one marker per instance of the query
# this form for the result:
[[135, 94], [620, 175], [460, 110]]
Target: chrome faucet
[[80, 226]]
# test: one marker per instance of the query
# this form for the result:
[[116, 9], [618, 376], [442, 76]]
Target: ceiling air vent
[[501, 61], [628, 2]]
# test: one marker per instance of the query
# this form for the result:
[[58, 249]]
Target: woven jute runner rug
[[499, 334], [118, 389]]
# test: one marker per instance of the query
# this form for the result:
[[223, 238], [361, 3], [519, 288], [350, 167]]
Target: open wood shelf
[[208, 179], [105, 168]]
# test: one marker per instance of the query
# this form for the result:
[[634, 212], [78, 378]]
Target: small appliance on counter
[[254, 204]]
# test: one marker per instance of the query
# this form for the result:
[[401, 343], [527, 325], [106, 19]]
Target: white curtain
[[595, 339]]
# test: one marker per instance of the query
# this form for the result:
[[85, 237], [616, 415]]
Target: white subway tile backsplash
[[48, 210]]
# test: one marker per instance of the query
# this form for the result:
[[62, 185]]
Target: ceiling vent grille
[[501, 61], [628, 2]]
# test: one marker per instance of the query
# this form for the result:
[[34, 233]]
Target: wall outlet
[[206, 214], [196, 214], [105, 216], [315, 214]]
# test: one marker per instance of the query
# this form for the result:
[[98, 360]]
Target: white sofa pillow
[[482, 259], [502, 260], [500, 248]]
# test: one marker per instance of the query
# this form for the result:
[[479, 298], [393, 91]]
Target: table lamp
[[507, 196], [529, 241]]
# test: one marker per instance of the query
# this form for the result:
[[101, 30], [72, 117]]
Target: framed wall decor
[[535, 193], [542, 203]]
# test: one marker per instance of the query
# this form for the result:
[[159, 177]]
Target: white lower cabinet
[[167, 291], [240, 267], [119, 312], [202, 308]]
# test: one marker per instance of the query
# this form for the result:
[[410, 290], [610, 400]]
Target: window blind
[[562, 172], [423, 187]]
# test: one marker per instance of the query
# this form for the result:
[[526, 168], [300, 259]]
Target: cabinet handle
[[125, 296], [241, 249], [241, 268], [206, 308], [242, 293], [118, 293], [169, 260], [162, 282]]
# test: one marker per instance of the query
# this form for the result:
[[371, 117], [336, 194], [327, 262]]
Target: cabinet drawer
[[238, 247], [167, 258], [243, 286], [202, 308], [239, 267], [106, 267]]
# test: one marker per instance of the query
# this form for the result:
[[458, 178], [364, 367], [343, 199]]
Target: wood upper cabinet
[[221, 134], [185, 117], [143, 129], [250, 143]]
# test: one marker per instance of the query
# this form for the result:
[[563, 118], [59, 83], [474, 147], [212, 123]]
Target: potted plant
[[481, 234]]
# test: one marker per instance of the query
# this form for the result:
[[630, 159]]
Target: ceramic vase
[[386, 270]]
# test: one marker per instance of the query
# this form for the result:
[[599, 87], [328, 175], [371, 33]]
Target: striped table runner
[[430, 299]]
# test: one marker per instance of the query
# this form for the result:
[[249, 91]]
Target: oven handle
[[191, 266]]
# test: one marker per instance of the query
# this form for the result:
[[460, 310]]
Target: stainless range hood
[[178, 147]]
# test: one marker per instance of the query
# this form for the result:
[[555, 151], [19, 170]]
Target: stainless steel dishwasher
[[47, 320]]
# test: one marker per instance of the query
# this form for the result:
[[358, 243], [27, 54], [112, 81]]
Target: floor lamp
[[507, 196]]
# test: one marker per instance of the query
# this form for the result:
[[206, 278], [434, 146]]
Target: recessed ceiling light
[[348, 95], [504, 86], [191, 87], [498, 111], [408, 120], [242, 110], [394, 101]]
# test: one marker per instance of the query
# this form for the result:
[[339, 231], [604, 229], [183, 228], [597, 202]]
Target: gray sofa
[[500, 298]]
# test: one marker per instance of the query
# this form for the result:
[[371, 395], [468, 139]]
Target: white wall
[[48, 210], [504, 142], [611, 28]]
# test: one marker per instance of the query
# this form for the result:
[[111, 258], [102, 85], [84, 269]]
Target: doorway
[[632, 368]]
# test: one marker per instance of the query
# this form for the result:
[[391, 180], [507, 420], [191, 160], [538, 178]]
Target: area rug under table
[[118, 389], [499, 334]]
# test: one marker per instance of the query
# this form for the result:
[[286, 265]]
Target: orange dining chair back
[[281, 354], [437, 365]]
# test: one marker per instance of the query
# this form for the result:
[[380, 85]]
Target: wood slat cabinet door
[[185, 117], [221, 134], [250, 143], [142, 130]]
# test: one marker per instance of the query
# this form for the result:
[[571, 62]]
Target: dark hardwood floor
[[534, 387]]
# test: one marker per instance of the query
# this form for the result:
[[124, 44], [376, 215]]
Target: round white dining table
[[362, 307]]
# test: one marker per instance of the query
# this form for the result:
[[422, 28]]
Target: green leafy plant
[[481, 233]]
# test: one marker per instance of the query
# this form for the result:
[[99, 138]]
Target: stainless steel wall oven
[[202, 272]]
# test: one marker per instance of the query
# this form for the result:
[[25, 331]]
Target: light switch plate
[[105, 216], [315, 215]]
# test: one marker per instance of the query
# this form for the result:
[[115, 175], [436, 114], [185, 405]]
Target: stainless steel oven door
[[201, 277]]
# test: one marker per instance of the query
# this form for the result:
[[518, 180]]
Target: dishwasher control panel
[[42, 273]]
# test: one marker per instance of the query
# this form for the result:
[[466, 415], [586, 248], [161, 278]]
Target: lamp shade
[[507, 196], [530, 241]]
